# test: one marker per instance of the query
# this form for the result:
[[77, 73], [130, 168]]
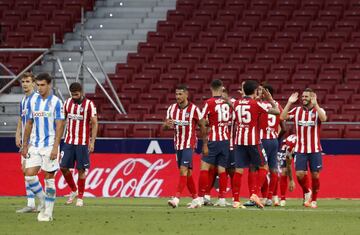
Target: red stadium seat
[[352, 77], [191, 58], [172, 47], [270, 26], [307, 68], [346, 25], [257, 68], [289, 5], [200, 78], [144, 131], [14, 15], [331, 108], [157, 37], [261, 5], [127, 69], [116, 130], [332, 131], [235, 37], [282, 68], [253, 14], [167, 26], [228, 48], [160, 88], [346, 89], [211, 5], [146, 78], [208, 69], [140, 108], [321, 25], [192, 26], [292, 58], [336, 36], [226, 78], [295, 25], [251, 76], [170, 78], [355, 98], [127, 117], [236, 5], [286, 37], [200, 99], [145, 98], [342, 58], [250, 47], [275, 78], [200, 48], [242, 58], [304, 14], [170, 98], [330, 78], [186, 5], [332, 68], [164, 58], [302, 47], [184, 37], [209, 37], [218, 26], [231, 68], [41, 37], [165, 133], [26, 26], [177, 15], [281, 15], [326, 47], [352, 131], [267, 58], [341, 118], [216, 58], [335, 5], [161, 109], [229, 15], [56, 27], [138, 59], [340, 99], [352, 14], [303, 78], [311, 5], [134, 87], [154, 68], [180, 68], [330, 15], [245, 25], [276, 47], [148, 48], [317, 58], [290, 88], [350, 47], [350, 109], [312, 36]]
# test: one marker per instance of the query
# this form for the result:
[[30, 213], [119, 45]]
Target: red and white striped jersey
[[185, 121], [232, 127], [247, 115], [269, 124], [307, 124], [218, 112], [288, 144], [78, 118]]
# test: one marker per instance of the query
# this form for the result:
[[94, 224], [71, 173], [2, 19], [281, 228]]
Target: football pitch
[[109, 216]]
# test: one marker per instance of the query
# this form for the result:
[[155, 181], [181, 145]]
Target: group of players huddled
[[38, 135], [244, 132]]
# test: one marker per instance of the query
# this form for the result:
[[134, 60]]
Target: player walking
[[46, 126], [80, 114], [308, 119]]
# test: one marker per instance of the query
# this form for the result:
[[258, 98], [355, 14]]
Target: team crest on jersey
[[24, 112], [187, 115], [313, 115], [81, 109]]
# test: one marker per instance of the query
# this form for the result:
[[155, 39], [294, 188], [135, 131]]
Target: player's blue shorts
[[281, 156], [218, 153], [313, 159], [249, 156], [184, 157], [231, 159], [71, 153], [271, 149]]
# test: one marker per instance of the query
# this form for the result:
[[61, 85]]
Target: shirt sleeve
[[93, 111], [205, 111], [29, 114], [197, 114], [21, 108], [263, 107], [59, 111], [292, 113], [168, 112]]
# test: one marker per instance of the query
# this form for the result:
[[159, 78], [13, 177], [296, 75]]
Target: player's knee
[[300, 174], [64, 170], [315, 175], [30, 178]]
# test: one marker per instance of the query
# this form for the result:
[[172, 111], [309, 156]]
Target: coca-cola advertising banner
[[156, 175]]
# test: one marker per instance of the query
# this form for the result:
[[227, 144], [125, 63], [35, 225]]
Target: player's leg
[[271, 153], [230, 168], [206, 163], [301, 161], [31, 169], [283, 185], [82, 163], [67, 162], [315, 168], [222, 160], [30, 207], [241, 162], [213, 172], [49, 167]]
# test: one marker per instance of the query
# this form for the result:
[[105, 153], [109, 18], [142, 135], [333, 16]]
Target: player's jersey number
[[223, 111], [243, 113]]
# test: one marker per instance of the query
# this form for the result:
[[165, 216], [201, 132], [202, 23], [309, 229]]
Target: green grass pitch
[[109, 216]]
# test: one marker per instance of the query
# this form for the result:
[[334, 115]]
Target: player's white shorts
[[41, 157]]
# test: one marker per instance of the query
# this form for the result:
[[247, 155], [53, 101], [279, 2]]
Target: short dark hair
[[225, 90], [182, 87], [308, 89], [250, 86], [44, 76], [75, 87], [269, 88], [27, 75], [216, 84]]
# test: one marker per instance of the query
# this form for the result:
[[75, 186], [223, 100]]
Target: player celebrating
[[28, 84], [248, 150], [269, 134], [183, 116], [308, 119], [80, 113], [216, 113], [46, 125], [285, 156]]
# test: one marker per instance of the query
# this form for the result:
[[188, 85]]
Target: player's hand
[[313, 98], [24, 150], [54, 153], [291, 185], [293, 98], [18, 141], [205, 150], [169, 123], [266, 94], [91, 147]]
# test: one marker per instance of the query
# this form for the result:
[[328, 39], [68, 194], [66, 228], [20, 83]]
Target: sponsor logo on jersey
[[75, 116], [306, 123], [41, 114], [181, 123]]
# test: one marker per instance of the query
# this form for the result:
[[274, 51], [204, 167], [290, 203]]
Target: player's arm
[[289, 173], [321, 112], [18, 133], [203, 133], [58, 134], [292, 99], [283, 129], [27, 132], [94, 129], [168, 123], [274, 107]]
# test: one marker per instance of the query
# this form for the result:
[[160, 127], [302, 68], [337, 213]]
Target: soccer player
[[270, 132], [183, 117], [80, 114], [308, 119], [28, 85], [248, 149], [285, 156], [216, 115], [46, 126]]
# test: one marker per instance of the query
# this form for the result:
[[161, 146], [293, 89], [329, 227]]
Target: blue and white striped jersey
[[44, 113], [24, 111]]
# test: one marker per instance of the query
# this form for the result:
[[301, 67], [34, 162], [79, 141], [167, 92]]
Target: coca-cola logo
[[132, 177]]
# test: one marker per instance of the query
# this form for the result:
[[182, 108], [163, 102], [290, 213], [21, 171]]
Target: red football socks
[[304, 183], [181, 185], [222, 184], [273, 182], [203, 182], [283, 186], [265, 188], [81, 186], [315, 188], [251, 181], [236, 185], [211, 180], [191, 186], [261, 177], [70, 181]]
